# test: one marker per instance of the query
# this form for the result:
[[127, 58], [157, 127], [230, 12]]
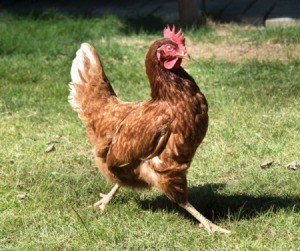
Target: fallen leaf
[[50, 148], [267, 164], [22, 197], [293, 165]]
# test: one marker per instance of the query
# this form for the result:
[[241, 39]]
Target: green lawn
[[45, 199]]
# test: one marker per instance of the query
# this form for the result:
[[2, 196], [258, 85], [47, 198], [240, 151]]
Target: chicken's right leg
[[209, 226], [106, 198]]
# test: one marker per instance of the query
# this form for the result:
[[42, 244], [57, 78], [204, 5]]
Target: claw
[[103, 202], [215, 228], [207, 224], [106, 198]]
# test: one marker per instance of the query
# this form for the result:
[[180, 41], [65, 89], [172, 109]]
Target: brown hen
[[149, 143]]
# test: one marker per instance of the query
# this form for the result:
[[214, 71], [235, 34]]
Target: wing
[[141, 135]]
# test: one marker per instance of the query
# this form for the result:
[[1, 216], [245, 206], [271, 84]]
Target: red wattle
[[174, 63]]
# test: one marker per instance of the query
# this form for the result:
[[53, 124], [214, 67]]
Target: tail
[[89, 86]]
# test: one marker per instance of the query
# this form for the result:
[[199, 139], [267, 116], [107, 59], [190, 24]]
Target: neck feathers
[[167, 84]]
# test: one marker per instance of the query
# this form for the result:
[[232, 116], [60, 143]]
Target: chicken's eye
[[169, 48]]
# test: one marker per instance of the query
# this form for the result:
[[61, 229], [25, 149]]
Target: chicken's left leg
[[106, 198], [209, 226]]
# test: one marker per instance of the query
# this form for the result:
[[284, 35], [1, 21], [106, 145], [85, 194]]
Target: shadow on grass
[[217, 206]]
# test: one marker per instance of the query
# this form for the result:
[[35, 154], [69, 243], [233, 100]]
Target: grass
[[46, 199]]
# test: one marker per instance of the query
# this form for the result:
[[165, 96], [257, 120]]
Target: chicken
[[149, 143]]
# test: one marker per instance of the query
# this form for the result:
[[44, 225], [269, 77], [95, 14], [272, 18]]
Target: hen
[[149, 143]]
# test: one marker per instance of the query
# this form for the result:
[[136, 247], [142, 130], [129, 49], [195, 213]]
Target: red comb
[[172, 35]]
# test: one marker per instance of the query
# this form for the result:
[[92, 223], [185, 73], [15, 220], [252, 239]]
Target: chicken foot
[[209, 226], [106, 198]]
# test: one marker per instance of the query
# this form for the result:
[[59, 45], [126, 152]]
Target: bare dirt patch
[[231, 51], [244, 51]]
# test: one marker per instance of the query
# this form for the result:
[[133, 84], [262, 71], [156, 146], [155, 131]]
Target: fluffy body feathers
[[132, 139], [149, 143]]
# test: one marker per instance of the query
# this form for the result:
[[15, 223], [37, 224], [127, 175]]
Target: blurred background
[[254, 12]]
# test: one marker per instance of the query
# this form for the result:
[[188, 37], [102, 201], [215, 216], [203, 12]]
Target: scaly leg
[[209, 226], [106, 198]]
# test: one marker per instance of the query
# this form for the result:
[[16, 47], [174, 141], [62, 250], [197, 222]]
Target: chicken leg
[[209, 226], [106, 198]]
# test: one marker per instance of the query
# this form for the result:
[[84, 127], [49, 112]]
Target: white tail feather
[[86, 67], [77, 74], [71, 98], [85, 47]]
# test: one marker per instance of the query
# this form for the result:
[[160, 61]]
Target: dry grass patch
[[245, 51], [232, 43], [230, 51]]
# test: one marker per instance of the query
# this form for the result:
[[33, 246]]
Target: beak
[[184, 55]]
